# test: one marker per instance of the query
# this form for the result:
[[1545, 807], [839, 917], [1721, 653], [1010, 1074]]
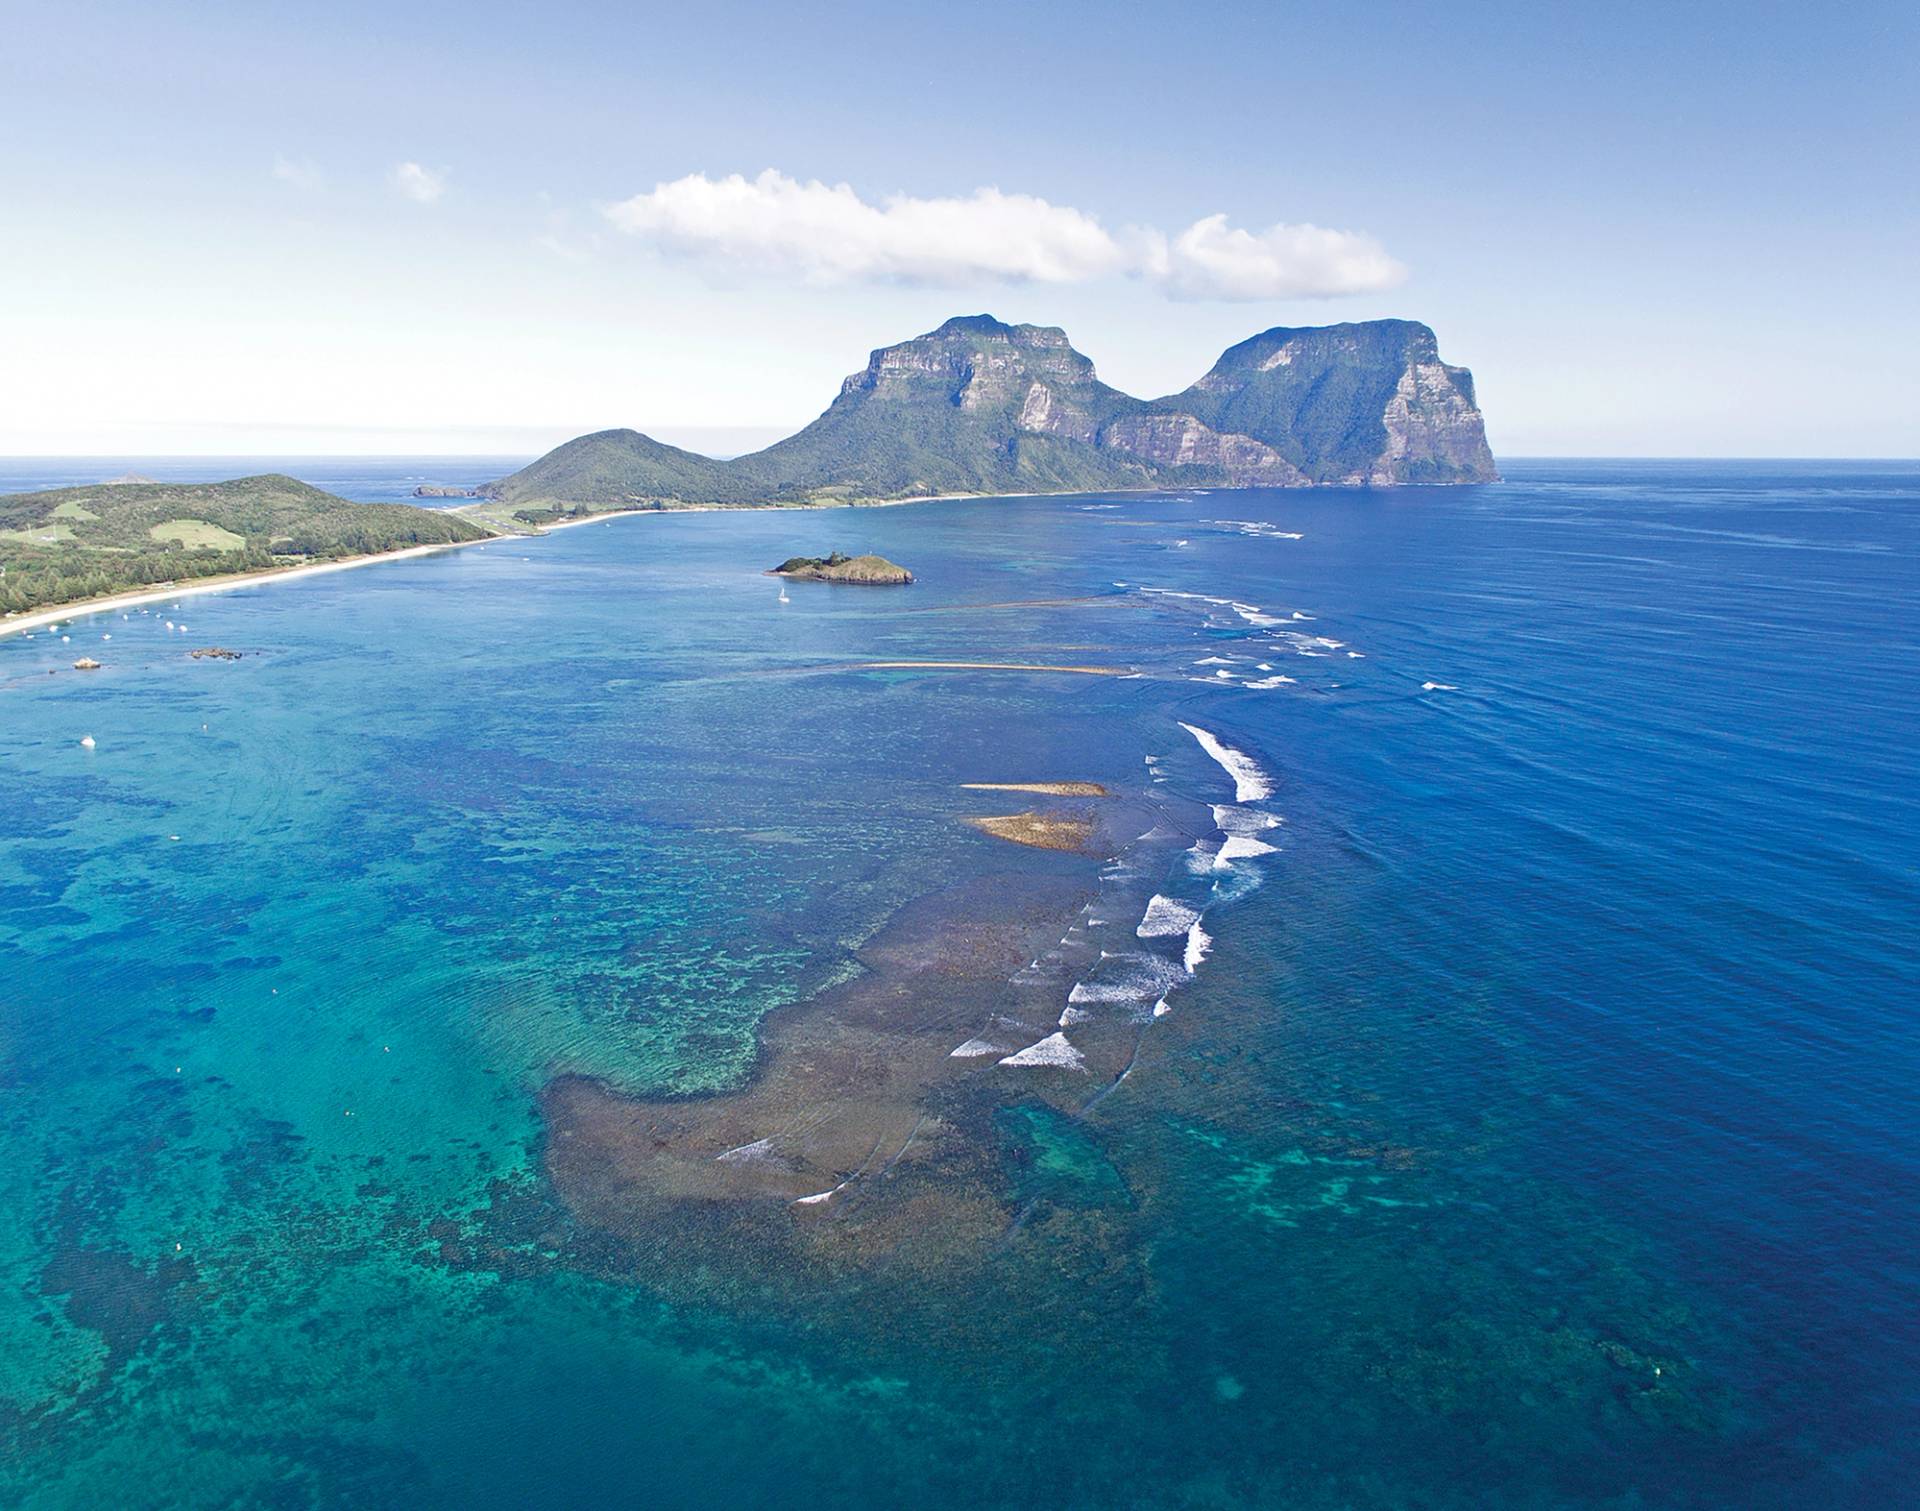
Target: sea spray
[[1250, 783]]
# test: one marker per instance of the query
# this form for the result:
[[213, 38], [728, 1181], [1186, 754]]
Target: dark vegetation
[[70, 544]]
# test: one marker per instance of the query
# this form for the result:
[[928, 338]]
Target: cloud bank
[[827, 234], [422, 185]]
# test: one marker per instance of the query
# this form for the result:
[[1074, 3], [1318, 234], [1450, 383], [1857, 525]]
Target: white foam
[[974, 1048], [1199, 941], [1194, 597], [1230, 820], [1258, 527], [1266, 682], [1165, 917], [1250, 783], [1072, 1015], [758, 1149], [1052, 1050], [1160, 1008], [1241, 847], [1132, 979], [1438, 687]]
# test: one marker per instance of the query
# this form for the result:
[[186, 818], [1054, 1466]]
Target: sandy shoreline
[[40, 618]]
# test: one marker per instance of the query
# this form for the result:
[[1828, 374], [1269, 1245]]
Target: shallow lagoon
[[1534, 1132]]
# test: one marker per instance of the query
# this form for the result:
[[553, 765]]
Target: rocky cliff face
[[978, 406], [1349, 405], [1028, 377], [1179, 441]]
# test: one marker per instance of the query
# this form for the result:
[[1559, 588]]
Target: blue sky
[[1650, 230]]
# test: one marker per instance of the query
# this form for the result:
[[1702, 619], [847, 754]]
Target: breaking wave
[[1250, 783]]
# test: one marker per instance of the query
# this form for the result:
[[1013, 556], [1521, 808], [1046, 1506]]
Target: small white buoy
[[87, 742]]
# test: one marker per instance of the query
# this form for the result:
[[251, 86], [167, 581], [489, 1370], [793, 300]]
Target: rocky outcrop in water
[[867, 570]]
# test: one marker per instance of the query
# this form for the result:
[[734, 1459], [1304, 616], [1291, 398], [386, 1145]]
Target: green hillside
[[70, 544], [978, 406], [614, 468], [939, 414]]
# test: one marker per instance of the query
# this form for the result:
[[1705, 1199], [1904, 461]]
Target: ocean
[[541, 1027]]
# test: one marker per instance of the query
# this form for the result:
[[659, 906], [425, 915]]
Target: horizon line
[[346, 456]]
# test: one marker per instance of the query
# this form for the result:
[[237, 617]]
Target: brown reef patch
[[1043, 831], [859, 1137]]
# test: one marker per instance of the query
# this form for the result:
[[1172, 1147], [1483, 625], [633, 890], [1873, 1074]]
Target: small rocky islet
[[839, 567]]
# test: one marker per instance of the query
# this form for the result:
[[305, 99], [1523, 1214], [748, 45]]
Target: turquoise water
[[1536, 1129]]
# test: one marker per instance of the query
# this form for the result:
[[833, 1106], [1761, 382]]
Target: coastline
[[40, 618], [78, 608], [81, 608]]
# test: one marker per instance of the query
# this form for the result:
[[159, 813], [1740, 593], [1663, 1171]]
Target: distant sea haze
[[365, 479]]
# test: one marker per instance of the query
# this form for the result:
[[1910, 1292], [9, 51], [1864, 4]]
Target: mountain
[[74, 543], [978, 406], [1349, 405]]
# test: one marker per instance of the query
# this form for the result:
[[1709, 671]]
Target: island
[[839, 567], [978, 406], [73, 545]]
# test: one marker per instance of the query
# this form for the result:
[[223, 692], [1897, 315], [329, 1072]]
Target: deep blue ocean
[[1476, 1069]]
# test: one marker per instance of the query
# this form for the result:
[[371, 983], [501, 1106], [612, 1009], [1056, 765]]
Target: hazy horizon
[[1648, 232]]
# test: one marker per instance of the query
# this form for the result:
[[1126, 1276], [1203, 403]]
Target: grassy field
[[196, 535]]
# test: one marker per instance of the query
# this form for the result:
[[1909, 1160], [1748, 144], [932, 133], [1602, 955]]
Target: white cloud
[[1213, 260], [827, 234], [422, 185], [302, 173]]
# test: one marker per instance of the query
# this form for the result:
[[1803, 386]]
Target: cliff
[[978, 406]]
